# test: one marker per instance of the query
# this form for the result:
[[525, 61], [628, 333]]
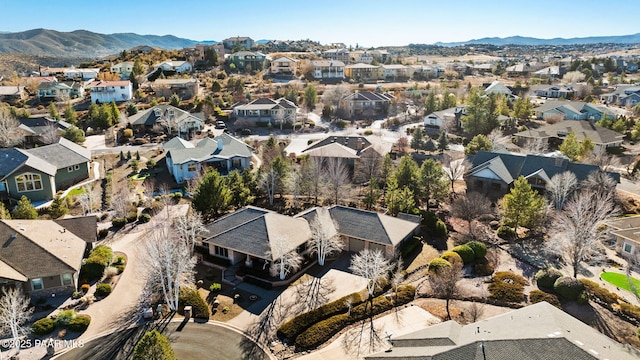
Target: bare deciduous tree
[[325, 240], [454, 169], [536, 146], [572, 77], [9, 133], [188, 227], [497, 139], [312, 176], [599, 181], [295, 182], [444, 284], [602, 159], [336, 178], [86, 199], [14, 311], [561, 187], [471, 206], [283, 259], [121, 199], [368, 165], [169, 263], [50, 134], [577, 230], [372, 266], [269, 181]]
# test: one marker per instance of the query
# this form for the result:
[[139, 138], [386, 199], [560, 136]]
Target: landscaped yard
[[619, 280]]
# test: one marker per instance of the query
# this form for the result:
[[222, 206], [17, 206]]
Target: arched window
[[28, 182]]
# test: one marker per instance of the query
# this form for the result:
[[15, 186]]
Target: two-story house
[[170, 119], [243, 41], [328, 69], [367, 104], [185, 88], [174, 66], [363, 72], [265, 110], [124, 69], [107, 91], [248, 60], [284, 66]]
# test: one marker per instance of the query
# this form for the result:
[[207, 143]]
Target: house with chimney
[[168, 119]]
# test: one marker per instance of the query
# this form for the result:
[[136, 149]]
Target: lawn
[[76, 191], [619, 280]]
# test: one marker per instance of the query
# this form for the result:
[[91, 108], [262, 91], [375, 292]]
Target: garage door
[[356, 245], [374, 247]]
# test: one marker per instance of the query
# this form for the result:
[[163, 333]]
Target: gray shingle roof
[[62, 154], [10, 160], [148, 117], [207, 149], [370, 225], [38, 125], [582, 128]]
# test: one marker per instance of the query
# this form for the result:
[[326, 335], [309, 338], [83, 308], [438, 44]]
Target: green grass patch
[[619, 280], [76, 192], [141, 176]]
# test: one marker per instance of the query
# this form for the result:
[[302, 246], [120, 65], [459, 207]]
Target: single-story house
[[538, 331], [550, 72], [59, 91], [493, 173], [625, 232], [573, 110], [249, 234], [174, 66], [40, 172], [40, 256], [108, 91], [12, 93], [224, 153], [623, 95], [554, 134], [265, 110], [367, 104], [184, 88], [143, 49], [172, 120], [451, 117], [497, 87], [34, 128], [553, 91]]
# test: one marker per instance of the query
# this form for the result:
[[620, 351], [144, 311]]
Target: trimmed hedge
[[99, 258], [43, 326], [190, 297], [322, 331], [630, 310], [536, 296], [568, 288], [103, 290], [465, 252], [294, 327], [452, 257], [438, 263], [600, 293], [479, 249], [80, 323], [546, 278], [507, 286]]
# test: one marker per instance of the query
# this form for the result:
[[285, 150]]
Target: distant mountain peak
[[523, 40]]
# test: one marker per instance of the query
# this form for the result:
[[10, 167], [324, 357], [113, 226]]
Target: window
[[628, 248], [70, 169], [236, 163], [67, 279], [37, 284], [76, 167], [192, 167], [220, 251], [28, 182]]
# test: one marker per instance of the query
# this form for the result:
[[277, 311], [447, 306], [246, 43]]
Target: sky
[[352, 22]]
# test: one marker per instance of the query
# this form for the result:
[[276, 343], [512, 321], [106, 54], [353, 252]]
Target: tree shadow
[[312, 294], [364, 338], [263, 330]]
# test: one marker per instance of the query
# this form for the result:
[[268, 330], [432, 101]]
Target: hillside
[[82, 43], [521, 40]]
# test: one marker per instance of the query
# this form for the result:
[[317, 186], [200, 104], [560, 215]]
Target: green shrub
[[102, 233], [318, 333], [190, 297], [479, 249], [536, 296], [103, 252], [483, 267], [80, 323], [452, 257], [409, 246], [294, 327], [76, 295], [583, 298], [465, 252], [506, 232], [132, 216], [404, 295], [630, 310], [440, 229], [92, 268], [215, 287], [368, 132], [118, 222], [120, 260], [120, 268], [507, 286], [63, 318], [436, 264], [602, 294], [103, 290], [177, 196], [144, 218], [546, 278], [568, 288], [43, 326]]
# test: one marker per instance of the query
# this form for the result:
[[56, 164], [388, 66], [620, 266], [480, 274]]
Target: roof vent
[[14, 235]]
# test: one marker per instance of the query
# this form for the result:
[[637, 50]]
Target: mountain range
[[87, 44], [521, 40]]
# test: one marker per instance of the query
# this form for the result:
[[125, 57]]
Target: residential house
[[356, 152], [395, 72], [265, 110], [71, 73], [445, 118], [497, 87], [625, 231], [108, 91], [361, 56], [623, 95], [243, 41], [422, 72], [553, 91], [13, 93], [59, 91], [143, 49], [554, 134], [574, 110], [250, 235], [40, 172], [486, 68], [493, 173], [328, 69], [40, 256], [367, 104], [363, 72], [550, 72], [124, 69], [342, 55], [224, 153], [538, 331], [185, 88], [169, 119], [248, 60], [520, 69], [34, 130], [174, 66], [284, 66]]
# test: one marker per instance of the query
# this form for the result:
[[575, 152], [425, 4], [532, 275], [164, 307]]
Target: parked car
[[245, 132], [220, 124]]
